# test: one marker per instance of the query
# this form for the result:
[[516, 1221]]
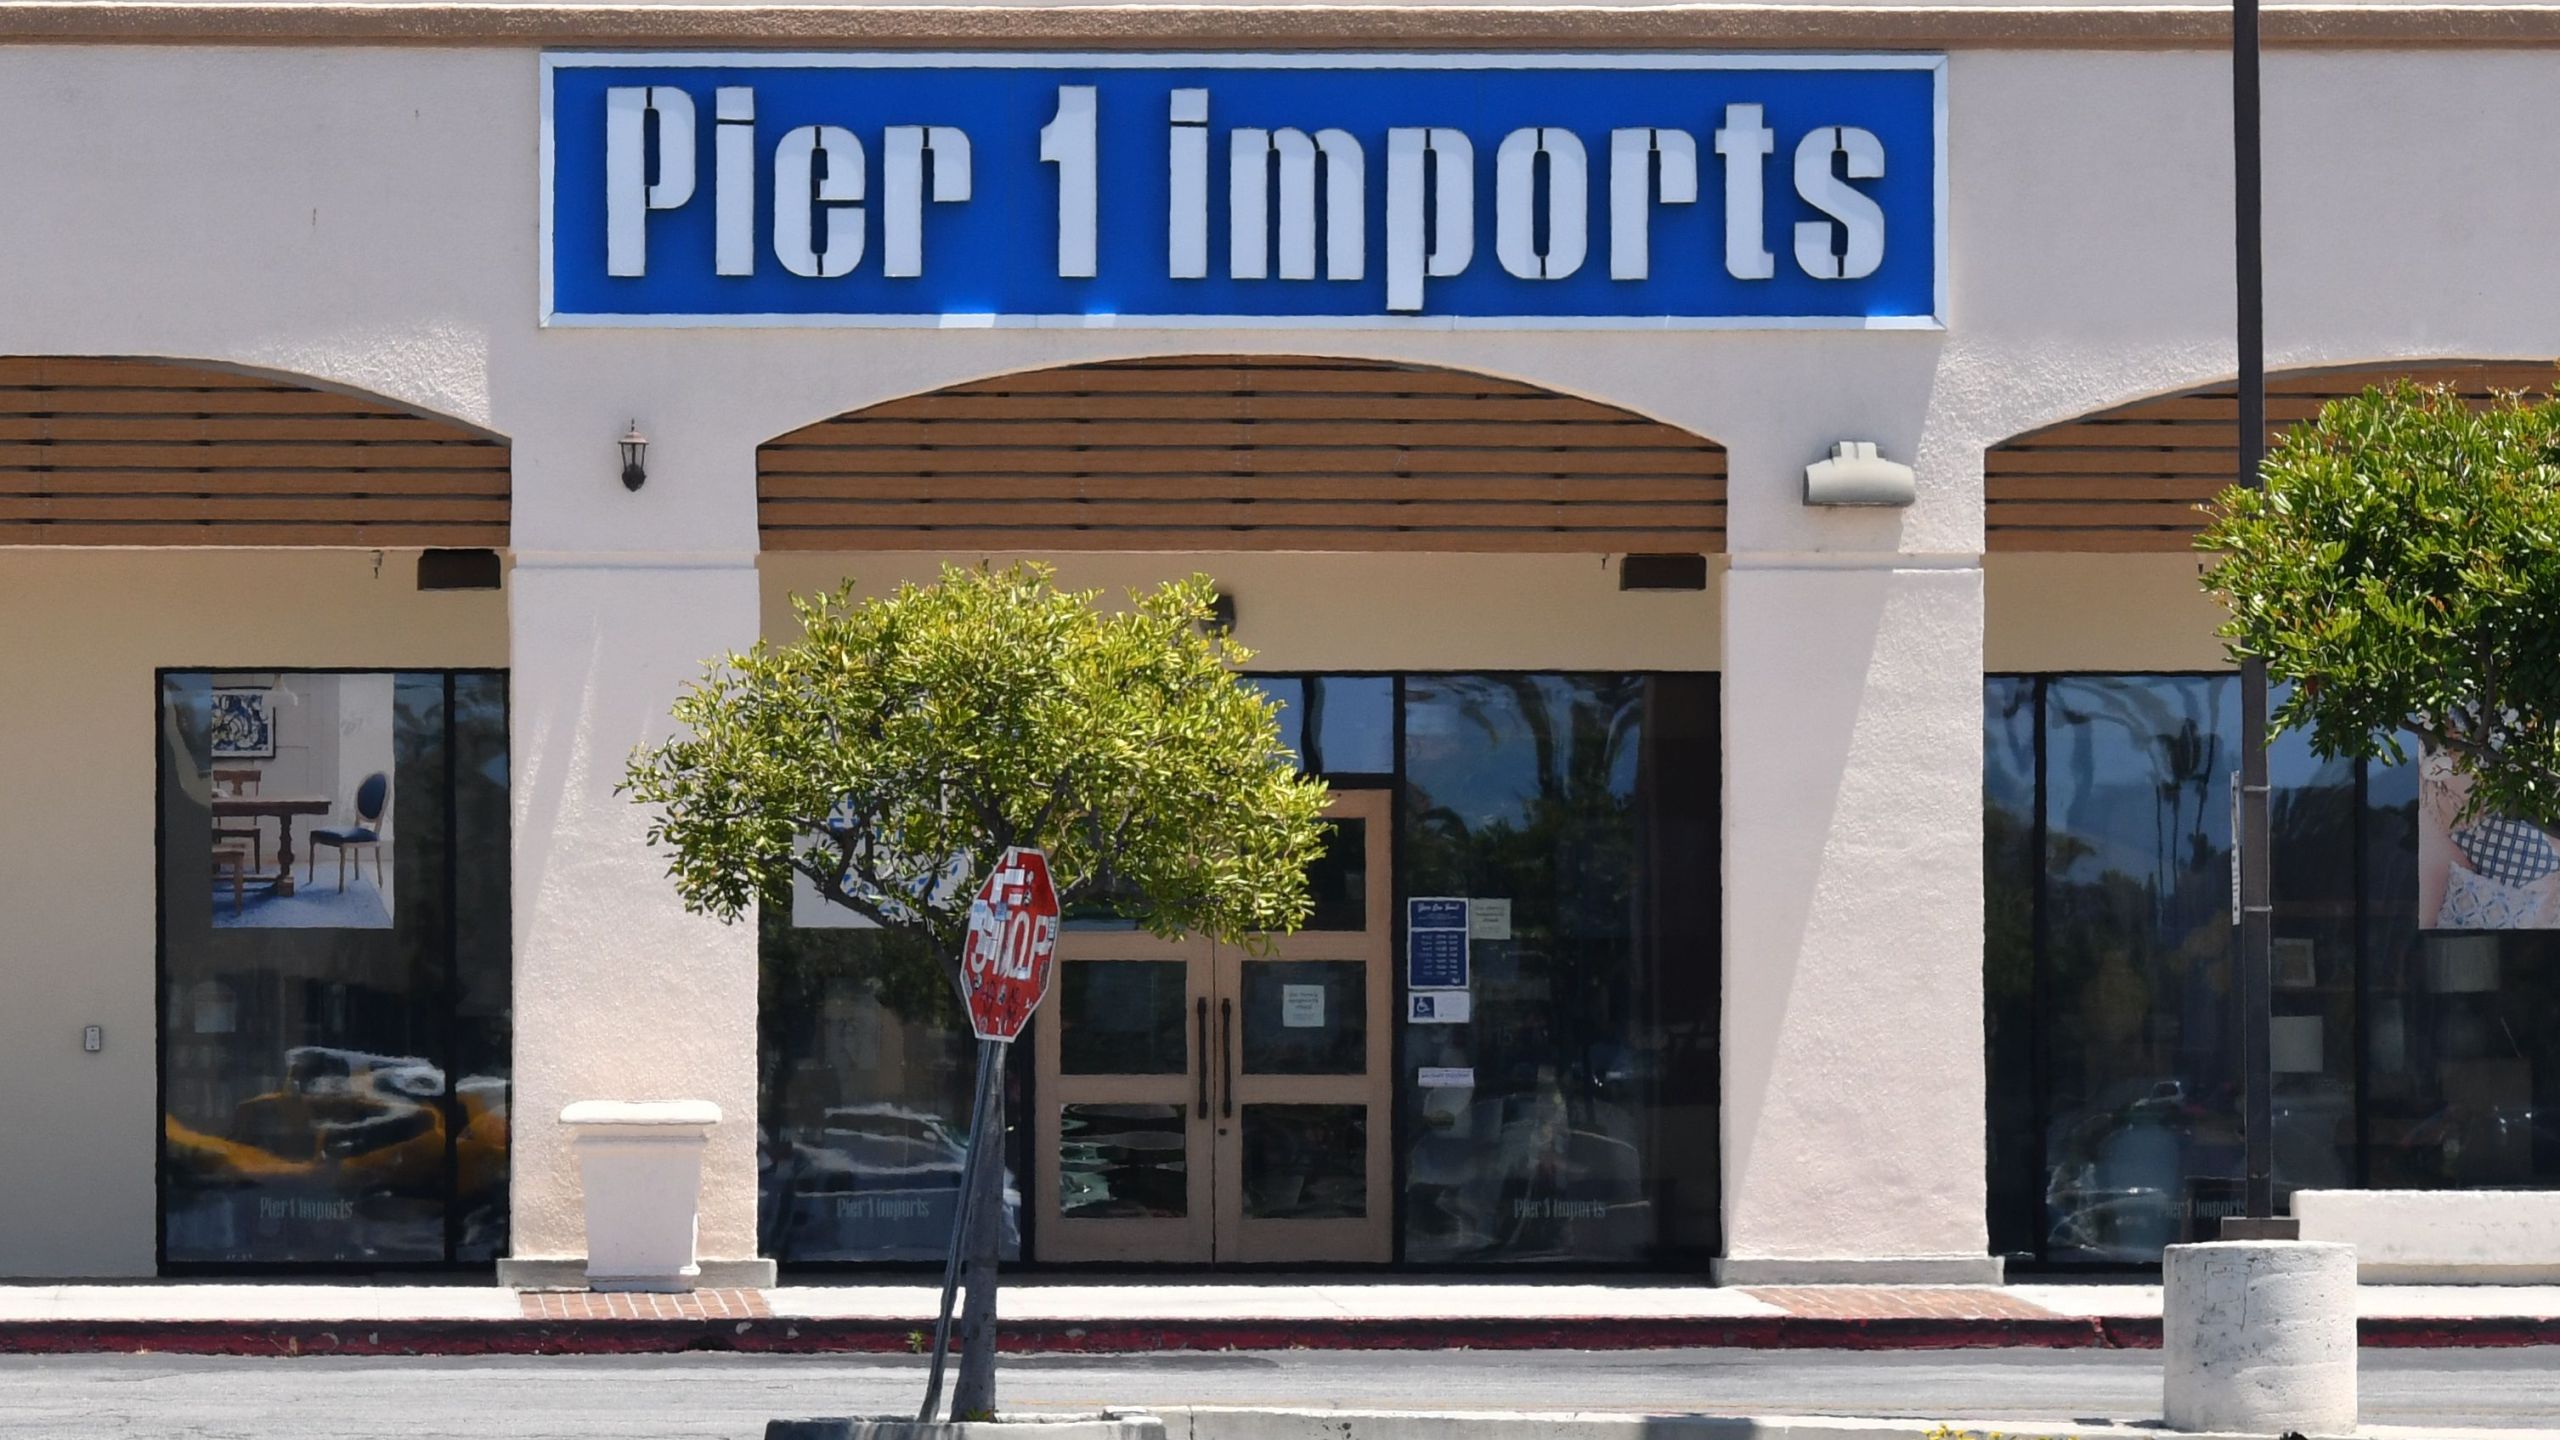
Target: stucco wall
[[2098, 612], [620, 995], [1363, 612], [367, 217], [83, 634]]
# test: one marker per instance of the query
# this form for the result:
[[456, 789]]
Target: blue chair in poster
[[373, 798]]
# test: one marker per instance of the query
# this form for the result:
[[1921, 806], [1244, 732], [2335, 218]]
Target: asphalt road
[[691, 1396]]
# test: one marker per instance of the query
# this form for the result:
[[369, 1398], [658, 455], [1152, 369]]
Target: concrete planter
[[2258, 1337], [641, 1164], [1108, 1425]]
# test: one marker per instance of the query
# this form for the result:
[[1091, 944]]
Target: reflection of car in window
[[871, 1182], [360, 1121]]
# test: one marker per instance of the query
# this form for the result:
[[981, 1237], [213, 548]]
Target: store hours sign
[[1453, 191]]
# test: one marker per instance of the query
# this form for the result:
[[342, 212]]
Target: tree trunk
[[973, 1396]]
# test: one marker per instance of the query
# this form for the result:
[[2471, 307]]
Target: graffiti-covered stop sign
[[1012, 945]]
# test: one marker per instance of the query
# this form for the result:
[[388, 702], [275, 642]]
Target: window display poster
[[299, 802], [2480, 872]]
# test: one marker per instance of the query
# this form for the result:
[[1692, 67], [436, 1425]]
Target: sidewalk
[[1153, 1314]]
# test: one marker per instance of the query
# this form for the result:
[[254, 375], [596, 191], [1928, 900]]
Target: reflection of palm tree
[[2174, 727], [1558, 834]]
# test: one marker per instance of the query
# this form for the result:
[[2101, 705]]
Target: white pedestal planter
[[641, 1164], [2259, 1337]]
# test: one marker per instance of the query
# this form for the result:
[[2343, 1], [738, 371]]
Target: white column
[[1853, 1061], [619, 994]]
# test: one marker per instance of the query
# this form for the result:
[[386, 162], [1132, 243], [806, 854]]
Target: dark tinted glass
[[1290, 694], [484, 946], [1336, 724], [1574, 1120], [2462, 1031], [1123, 1017], [1306, 1017], [335, 1010], [2112, 993], [867, 1067], [1306, 1162], [1338, 882], [2313, 814], [1351, 724], [2009, 861], [2141, 1054], [1120, 1162]]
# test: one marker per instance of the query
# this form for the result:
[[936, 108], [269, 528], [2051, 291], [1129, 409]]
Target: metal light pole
[[2257, 917]]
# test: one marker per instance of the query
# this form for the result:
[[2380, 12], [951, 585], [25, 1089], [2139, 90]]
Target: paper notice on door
[[1302, 1007], [1447, 1077], [1488, 919]]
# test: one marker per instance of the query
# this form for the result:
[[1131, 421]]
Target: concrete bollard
[[2258, 1337], [641, 1166]]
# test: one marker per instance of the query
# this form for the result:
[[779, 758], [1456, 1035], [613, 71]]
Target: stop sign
[[1013, 938]]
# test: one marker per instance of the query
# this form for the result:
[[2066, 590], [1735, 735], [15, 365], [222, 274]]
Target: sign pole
[[964, 1222], [1006, 960], [2257, 909]]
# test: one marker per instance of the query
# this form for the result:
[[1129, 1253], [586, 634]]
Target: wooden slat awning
[[152, 452], [1242, 453], [2132, 478]]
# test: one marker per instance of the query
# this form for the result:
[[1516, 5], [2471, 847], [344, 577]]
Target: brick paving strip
[[696, 1305], [1886, 1302]]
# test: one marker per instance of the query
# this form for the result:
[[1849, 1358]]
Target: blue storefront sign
[[1192, 190]]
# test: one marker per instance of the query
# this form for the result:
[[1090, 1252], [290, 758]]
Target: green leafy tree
[[895, 750], [2402, 567]]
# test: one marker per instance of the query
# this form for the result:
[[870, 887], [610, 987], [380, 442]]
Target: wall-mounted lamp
[[1222, 611], [635, 449], [1856, 475]]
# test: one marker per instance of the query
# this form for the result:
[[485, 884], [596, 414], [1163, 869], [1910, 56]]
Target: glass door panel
[[1202, 1103], [1120, 1148], [1303, 1158]]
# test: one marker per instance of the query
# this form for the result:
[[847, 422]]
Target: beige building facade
[[230, 221]]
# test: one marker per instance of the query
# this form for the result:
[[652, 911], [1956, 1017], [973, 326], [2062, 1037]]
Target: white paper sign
[[1302, 1007], [1447, 1077], [1488, 919], [1438, 1007]]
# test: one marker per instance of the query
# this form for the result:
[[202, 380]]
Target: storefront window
[[335, 1004], [2462, 1031], [1569, 1119], [2111, 979], [2011, 925], [1336, 724], [867, 1069], [1572, 1118]]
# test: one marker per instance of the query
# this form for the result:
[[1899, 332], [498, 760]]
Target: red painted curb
[[883, 1337]]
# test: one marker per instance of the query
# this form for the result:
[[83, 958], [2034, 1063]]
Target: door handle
[[1200, 1014], [1226, 1059]]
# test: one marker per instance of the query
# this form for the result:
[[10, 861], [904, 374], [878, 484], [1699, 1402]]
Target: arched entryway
[[2111, 735], [153, 452], [1435, 558], [1223, 453], [259, 756], [2130, 478]]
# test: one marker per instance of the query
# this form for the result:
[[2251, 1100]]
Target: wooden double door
[[1205, 1103]]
